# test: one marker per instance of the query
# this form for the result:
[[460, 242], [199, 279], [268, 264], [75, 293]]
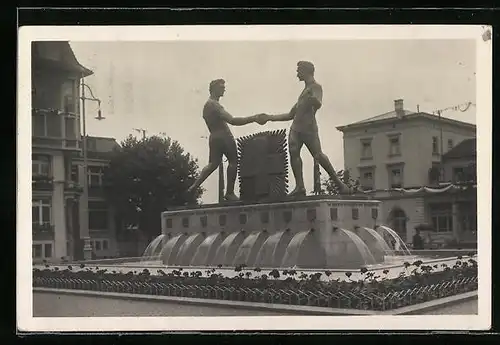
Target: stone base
[[312, 232]]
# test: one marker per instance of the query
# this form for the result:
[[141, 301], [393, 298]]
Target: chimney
[[398, 107]]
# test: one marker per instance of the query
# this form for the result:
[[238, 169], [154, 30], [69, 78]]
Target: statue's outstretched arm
[[235, 121], [284, 117]]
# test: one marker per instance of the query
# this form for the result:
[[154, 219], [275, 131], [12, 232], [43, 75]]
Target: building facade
[[403, 151], [56, 146]]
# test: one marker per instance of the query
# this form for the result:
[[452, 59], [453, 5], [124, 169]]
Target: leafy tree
[[146, 177], [329, 187]]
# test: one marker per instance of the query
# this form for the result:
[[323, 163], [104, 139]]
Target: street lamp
[[84, 230]]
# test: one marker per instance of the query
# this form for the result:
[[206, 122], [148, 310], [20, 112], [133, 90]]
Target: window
[[374, 213], [222, 219], [169, 223], [53, 122], [366, 149], [105, 245], [70, 127], [40, 165], [47, 250], [98, 215], [436, 173], [395, 176], [394, 145], [355, 213], [69, 96], [458, 174], [311, 214], [204, 221], [334, 215], [468, 216], [185, 222], [367, 178], [287, 216], [450, 144], [41, 212], [38, 125], [95, 176], [441, 217], [37, 251], [47, 90], [97, 245], [74, 173], [264, 217], [243, 218], [46, 124], [435, 146]]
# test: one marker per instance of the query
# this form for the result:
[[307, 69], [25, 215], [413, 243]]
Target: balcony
[[41, 182], [43, 231], [73, 187], [48, 130]]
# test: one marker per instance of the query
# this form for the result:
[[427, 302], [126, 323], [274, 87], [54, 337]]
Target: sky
[[162, 86]]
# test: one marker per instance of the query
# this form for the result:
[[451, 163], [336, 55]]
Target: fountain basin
[[315, 232]]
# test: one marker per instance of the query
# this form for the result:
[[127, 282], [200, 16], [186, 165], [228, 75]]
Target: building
[[56, 148], [102, 222], [397, 153]]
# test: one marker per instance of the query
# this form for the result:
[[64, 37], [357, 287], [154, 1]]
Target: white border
[[25, 319]]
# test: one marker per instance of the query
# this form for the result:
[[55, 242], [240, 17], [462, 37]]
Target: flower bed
[[417, 284]]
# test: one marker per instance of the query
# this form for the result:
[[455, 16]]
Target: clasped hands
[[262, 118]]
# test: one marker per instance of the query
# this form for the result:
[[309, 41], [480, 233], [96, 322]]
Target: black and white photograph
[[254, 178]]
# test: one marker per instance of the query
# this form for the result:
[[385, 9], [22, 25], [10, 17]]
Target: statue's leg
[[231, 154], [215, 157], [313, 144], [294, 146]]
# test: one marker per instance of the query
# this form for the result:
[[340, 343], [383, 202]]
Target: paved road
[[49, 304], [463, 308]]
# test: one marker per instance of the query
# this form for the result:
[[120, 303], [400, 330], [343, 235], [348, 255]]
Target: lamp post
[[84, 217]]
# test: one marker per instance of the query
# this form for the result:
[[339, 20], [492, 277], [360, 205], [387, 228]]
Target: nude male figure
[[221, 140], [304, 129]]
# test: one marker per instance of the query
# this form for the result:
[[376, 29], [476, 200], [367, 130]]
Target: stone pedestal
[[313, 232]]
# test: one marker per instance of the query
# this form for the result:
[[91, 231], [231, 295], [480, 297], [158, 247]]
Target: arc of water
[[154, 247], [385, 247], [363, 249], [397, 238]]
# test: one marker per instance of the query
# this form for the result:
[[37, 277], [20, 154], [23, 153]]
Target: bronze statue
[[221, 140], [304, 129]]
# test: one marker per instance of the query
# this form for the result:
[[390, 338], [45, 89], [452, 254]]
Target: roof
[[407, 114], [388, 115], [466, 148], [57, 54]]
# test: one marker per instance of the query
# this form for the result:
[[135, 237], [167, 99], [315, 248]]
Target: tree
[[146, 177], [329, 187]]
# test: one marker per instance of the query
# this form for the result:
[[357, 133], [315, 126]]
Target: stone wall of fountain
[[319, 233]]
